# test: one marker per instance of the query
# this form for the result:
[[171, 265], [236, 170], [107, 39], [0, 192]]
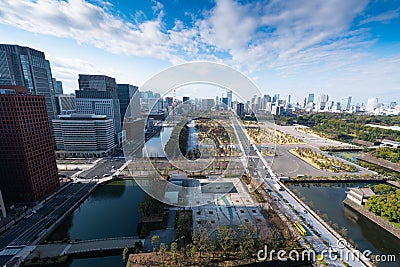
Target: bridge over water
[[86, 246]]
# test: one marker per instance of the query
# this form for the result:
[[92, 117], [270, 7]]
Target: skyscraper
[[321, 101], [225, 101], [58, 88], [310, 98], [275, 99], [98, 95], [372, 104], [288, 99], [28, 163], [128, 93], [24, 66], [240, 109], [345, 103], [229, 96], [267, 98]]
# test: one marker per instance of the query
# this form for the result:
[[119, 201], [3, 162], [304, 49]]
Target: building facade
[[128, 94], [65, 104], [29, 170], [24, 66], [81, 135], [240, 109], [98, 95]]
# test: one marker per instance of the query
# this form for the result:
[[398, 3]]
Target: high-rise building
[[83, 135], [229, 96], [225, 101], [240, 109], [345, 103], [128, 94], [288, 99], [151, 105], [207, 104], [310, 98], [321, 101], [185, 99], [28, 163], [169, 100], [267, 98], [58, 88], [275, 98], [2, 207], [147, 94], [277, 110], [98, 95], [27, 67], [65, 104], [372, 104]]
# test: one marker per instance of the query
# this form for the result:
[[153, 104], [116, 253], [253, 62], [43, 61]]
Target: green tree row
[[386, 202]]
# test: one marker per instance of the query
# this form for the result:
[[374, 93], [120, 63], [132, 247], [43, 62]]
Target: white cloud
[[288, 37], [68, 69], [383, 17], [88, 24]]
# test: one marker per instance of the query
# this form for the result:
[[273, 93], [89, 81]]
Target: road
[[263, 172], [27, 230], [105, 167]]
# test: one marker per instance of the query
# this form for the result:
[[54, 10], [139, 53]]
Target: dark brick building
[[28, 169]]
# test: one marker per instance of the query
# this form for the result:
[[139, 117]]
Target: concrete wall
[[376, 219]]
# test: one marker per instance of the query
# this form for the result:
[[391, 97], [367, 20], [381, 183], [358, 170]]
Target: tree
[[200, 240], [174, 251], [125, 254], [163, 251], [226, 237], [155, 239], [246, 239], [191, 253]]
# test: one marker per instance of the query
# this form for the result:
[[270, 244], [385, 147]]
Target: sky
[[296, 47]]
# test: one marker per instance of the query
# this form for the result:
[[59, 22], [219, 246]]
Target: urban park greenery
[[386, 203], [345, 127]]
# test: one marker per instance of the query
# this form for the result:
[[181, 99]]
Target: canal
[[192, 136], [110, 211], [153, 145], [328, 197]]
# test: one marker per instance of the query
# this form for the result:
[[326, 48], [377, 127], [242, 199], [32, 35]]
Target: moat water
[[328, 197]]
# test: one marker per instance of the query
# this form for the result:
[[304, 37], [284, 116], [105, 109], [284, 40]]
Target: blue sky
[[339, 47]]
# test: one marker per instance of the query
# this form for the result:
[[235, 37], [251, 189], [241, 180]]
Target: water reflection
[[155, 145], [110, 211], [327, 198]]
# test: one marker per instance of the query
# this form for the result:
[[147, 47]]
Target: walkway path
[[59, 249]]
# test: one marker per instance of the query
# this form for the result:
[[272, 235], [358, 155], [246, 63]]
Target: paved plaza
[[233, 208]]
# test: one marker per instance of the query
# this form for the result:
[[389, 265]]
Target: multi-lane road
[[287, 204], [27, 231]]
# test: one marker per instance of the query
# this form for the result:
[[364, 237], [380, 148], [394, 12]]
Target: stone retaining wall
[[376, 219], [380, 162]]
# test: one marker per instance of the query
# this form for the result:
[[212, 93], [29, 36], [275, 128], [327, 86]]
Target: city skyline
[[281, 47]]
